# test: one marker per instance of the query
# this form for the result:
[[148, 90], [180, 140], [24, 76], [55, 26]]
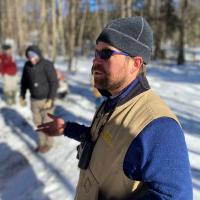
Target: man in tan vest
[[135, 148]]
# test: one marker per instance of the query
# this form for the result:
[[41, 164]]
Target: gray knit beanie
[[131, 35]]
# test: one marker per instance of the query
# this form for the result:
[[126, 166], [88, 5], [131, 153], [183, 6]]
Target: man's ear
[[137, 64]]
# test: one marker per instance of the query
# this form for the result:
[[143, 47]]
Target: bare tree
[[72, 31], [184, 5], [8, 22], [20, 26], [99, 24], [152, 12], [158, 28], [1, 20], [123, 8], [82, 25], [105, 13], [44, 28], [193, 33], [126, 8], [54, 30], [61, 27], [129, 7], [43, 22]]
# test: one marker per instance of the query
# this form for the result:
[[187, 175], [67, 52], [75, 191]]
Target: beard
[[104, 81], [100, 77]]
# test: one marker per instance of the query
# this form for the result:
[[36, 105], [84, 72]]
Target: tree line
[[68, 27]]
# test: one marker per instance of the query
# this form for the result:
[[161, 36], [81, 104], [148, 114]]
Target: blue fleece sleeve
[[74, 130], [158, 156]]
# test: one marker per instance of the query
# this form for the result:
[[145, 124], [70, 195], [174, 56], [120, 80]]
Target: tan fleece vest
[[104, 179]]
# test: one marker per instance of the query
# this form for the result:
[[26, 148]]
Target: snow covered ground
[[25, 175]]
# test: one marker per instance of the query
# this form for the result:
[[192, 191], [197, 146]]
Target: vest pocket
[[88, 187]]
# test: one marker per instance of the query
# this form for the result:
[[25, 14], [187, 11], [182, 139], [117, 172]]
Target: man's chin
[[98, 80], [99, 86]]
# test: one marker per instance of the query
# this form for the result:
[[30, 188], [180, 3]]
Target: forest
[[70, 27]]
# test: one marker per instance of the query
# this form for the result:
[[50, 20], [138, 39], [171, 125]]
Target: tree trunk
[[182, 22], [123, 8], [72, 32], [9, 21], [105, 13], [54, 30], [1, 21], [82, 26], [61, 28], [44, 29], [129, 8], [181, 56], [157, 42], [19, 26]]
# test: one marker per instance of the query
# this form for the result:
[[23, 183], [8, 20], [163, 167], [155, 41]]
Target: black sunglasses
[[105, 54]]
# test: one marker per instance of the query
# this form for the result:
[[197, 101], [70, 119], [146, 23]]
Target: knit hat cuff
[[32, 54]]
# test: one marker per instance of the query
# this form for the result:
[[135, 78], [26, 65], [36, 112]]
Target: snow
[[26, 175]]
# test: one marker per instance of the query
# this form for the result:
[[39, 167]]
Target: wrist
[[65, 127]]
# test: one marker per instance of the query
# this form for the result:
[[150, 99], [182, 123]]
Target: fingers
[[52, 116], [46, 128], [45, 125], [53, 128], [41, 130], [46, 131]]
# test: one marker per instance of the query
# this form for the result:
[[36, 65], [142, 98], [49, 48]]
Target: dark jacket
[[40, 79]]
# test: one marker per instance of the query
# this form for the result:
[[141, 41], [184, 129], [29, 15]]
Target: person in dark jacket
[[135, 147], [39, 77]]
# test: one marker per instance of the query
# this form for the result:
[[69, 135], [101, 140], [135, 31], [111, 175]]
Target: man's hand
[[48, 104], [53, 128], [22, 102]]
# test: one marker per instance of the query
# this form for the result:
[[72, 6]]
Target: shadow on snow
[[20, 127], [188, 73], [17, 177]]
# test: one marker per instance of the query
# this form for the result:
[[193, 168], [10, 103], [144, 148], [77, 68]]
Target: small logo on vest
[[107, 137]]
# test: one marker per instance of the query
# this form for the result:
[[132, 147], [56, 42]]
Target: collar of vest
[[136, 87]]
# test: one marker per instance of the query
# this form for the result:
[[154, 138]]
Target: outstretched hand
[[54, 128]]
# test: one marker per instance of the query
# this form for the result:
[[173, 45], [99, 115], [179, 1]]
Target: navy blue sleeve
[[158, 156], [74, 130]]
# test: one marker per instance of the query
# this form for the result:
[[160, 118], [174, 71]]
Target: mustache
[[97, 67]]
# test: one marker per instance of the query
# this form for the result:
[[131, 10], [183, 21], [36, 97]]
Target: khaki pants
[[9, 83], [9, 88], [39, 117]]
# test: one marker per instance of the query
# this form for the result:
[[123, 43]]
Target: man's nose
[[97, 60]]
